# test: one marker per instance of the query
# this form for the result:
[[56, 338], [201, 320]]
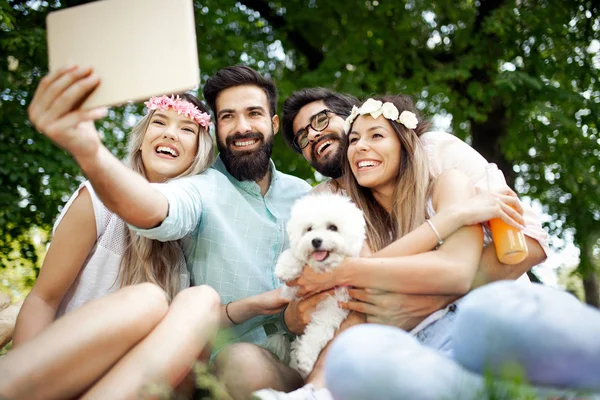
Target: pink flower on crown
[[181, 107]]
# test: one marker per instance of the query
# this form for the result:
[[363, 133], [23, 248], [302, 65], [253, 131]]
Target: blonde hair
[[147, 260], [412, 189]]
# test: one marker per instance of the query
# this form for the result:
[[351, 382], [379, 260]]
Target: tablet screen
[[138, 48]]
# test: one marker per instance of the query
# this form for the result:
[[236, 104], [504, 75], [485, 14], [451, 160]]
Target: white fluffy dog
[[323, 229]]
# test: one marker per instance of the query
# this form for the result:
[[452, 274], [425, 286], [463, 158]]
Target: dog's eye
[[332, 227], [309, 229]]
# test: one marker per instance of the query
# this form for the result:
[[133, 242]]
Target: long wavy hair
[[147, 260], [412, 189]]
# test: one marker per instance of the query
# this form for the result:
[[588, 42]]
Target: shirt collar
[[248, 186]]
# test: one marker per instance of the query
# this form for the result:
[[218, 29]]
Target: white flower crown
[[377, 108]]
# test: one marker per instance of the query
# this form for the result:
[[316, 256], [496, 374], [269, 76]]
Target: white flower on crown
[[350, 119], [376, 108], [389, 111], [372, 107], [408, 119]]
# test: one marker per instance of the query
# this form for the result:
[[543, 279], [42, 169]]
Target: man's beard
[[332, 165], [247, 165]]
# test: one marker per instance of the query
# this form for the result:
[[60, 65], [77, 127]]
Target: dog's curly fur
[[323, 229]]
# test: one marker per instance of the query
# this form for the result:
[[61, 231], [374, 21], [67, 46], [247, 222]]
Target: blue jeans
[[547, 336]]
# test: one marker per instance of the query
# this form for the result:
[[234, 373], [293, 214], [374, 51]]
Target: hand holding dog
[[54, 110], [297, 314], [311, 282], [404, 311]]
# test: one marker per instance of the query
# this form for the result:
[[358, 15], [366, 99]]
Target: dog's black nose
[[317, 243]]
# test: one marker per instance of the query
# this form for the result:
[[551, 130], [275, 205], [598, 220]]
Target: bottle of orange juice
[[508, 240]]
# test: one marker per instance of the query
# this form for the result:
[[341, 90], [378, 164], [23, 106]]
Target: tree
[[517, 77]]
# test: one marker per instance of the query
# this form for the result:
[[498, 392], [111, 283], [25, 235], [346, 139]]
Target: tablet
[[138, 48]]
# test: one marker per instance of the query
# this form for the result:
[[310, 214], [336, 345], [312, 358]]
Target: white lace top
[[99, 274]]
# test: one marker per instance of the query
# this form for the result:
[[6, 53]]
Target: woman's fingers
[[50, 88], [360, 294], [61, 96], [512, 200], [72, 96], [73, 119], [511, 217], [46, 82], [361, 307]]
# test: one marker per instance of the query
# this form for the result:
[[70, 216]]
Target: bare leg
[[73, 352], [245, 368], [168, 353]]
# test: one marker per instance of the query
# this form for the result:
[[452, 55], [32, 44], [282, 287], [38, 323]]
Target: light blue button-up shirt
[[230, 234]]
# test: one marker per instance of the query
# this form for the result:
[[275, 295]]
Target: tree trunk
[[587, 268], [486, 140], [592, 292]]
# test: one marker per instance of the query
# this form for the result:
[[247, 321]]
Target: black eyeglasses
[[319, 122]]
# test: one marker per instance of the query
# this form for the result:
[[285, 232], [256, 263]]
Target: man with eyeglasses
[[313, 125]]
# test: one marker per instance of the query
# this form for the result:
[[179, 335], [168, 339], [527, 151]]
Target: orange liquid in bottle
[[509, 241]]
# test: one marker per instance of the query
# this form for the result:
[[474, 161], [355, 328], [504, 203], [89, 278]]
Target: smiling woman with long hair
[[147, 260], [93, 252], [111, 311]]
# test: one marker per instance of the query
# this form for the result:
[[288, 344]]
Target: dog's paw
[[288, 267]]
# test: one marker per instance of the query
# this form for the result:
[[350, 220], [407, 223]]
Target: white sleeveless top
[[100, 272]]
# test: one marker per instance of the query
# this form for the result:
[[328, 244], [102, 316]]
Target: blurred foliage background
[[517, 79]]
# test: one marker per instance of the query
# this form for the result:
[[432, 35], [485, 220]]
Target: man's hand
[[54, 110], [404, 311], [268, 303], [297, 315]]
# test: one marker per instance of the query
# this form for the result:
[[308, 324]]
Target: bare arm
[[123, 191], [55, 112], [491, 270], [268, 303], [478, 209], [72, 242], [503, 204], [447, 152]]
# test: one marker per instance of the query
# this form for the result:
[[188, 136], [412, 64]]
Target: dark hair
[[341, 104], [239, 75]]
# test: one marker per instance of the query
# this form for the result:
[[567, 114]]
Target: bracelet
[[227, 313], [440, 240], [283, 324]]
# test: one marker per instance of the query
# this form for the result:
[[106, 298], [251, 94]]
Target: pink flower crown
[[180, 106]]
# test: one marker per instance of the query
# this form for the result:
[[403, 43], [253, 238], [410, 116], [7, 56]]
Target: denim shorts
[[436, 330]]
